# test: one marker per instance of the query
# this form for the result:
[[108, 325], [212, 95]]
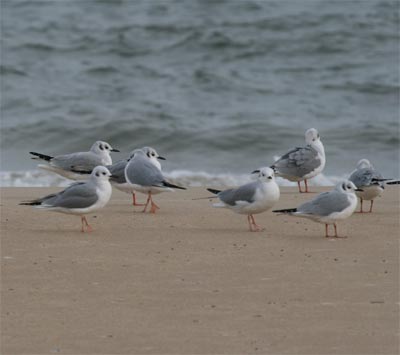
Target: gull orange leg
[[298, 184], [370, 207], [361, 210], [147, 202], [85, 222], [305, 183], [153, 207], [134, 203], [248, 220], [254, 227], [336, 235]]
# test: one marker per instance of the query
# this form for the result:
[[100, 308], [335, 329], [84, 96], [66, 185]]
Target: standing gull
[[371, 181], [302, 163], [79, 198], [328, 207], [251, 198], [145, 177], [118, 171], [76, 166]]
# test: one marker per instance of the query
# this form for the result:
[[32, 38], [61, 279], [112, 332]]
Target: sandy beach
[[192, 280]]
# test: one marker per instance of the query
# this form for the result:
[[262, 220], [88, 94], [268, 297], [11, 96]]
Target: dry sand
[[192, 280]]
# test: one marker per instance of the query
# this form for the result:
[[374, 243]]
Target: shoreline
[[192, 279]]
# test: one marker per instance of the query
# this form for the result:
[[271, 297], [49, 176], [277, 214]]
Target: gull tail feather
[[168, 184], [287, 210], [41, 156], [213, 191]]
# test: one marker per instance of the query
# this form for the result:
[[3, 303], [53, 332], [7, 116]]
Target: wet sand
[[192, 280]]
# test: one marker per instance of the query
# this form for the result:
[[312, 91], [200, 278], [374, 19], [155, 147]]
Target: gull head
[[363, 163], [101, 173], [347, 186], [265, 174], [100, 147], [152, 153], [312, 136]]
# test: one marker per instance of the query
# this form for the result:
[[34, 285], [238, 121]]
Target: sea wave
[[40, 178]]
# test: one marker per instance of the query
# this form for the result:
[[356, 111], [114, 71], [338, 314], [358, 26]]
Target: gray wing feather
[[242, 193], [325, 204], [86, 161], [78, 195], [118, 171], [298, 162], [365, 176], [140, 171]]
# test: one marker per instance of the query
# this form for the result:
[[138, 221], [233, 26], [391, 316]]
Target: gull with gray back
[[302, 163], [77, 166], [254, 197], [328, 207], [79, 198], [145, 177], [118, 171], [369, 180]]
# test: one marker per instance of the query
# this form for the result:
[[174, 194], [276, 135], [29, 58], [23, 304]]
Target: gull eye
[[103, 173], [153, 154], [270, 177], [107, 147]]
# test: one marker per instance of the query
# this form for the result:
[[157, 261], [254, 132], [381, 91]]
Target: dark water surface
[[215, 86]]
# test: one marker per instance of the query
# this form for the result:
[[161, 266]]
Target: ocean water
[[217, 87]]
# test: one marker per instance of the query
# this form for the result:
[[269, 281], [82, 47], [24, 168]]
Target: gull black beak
[[161, 158], [358, 190], [113, 176], [255, 171], [114, 150]]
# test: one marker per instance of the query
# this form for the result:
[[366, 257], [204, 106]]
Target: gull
[[302, 163], [251, 198], [328, 207], [75, 166], [370, 181], [118, 171], [80, 198], [145, 177]]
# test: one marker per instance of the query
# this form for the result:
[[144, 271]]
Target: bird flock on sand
[[141, 172]]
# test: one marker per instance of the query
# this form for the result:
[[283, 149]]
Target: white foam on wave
[[200, 178], [41, 178], [31, 178]]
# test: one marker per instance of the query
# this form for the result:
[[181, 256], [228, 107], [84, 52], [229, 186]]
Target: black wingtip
[[396, 182], [380, 180], [213, 191], [29, 203], [77, 170], [287, 210], [168, 184], [41, 156]]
